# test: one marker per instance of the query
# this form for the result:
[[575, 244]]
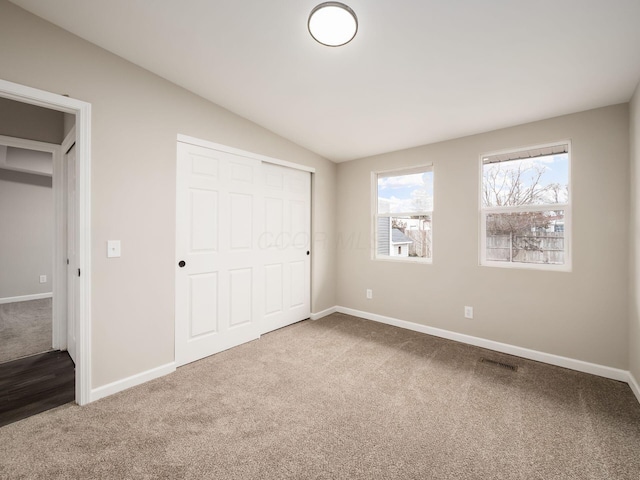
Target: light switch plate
[[113, 248]]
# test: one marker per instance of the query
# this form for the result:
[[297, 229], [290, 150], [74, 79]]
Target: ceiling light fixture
[[332, 24]]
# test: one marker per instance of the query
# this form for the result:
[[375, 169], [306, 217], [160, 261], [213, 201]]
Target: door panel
[[204, 205], [297, 270], [218, 212], [204, 304], [285, 242], [273, 288], [241, 228], [241, 286]]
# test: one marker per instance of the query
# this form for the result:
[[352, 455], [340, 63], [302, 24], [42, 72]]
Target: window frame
[[423, 168], [483, 212]]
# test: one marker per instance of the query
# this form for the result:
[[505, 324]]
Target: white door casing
[[285, 246], [217, 288], [82, 111], [243, 233], [73, 283]]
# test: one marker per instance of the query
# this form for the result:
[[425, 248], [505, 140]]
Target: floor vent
[[499, 364]]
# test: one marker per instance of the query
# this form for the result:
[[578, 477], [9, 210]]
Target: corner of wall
[[634, 244]]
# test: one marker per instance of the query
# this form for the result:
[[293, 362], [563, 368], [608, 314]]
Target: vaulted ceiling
[[418, 71]]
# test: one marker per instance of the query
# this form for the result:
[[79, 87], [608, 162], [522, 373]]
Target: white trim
[[526, 208], [397, 258], [323, 313], [60, 285], [535, 146], [635, 386], [26, 298], [549, 267], [69, 140], [59, 324], [82, 111], [579, 365], [399, 172], [243, 153], [83, 333], [132, 381], [28, 144]]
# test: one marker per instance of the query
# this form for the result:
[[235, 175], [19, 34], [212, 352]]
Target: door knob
[[182, 263]]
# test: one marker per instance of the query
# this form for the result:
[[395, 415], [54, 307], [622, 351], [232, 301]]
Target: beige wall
[[136, 117], [26, 233], [634, 317], [580, 315], [21, 120]]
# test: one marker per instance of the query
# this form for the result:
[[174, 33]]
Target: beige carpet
[[341, 398], [25, 328]]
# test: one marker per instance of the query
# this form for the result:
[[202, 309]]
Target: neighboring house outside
[[399, 243]]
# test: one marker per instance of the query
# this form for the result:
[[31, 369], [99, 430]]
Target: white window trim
[[375, 215], [568, 224]]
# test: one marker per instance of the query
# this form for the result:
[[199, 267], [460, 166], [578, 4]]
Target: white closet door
[[285, 246], [220, 283]]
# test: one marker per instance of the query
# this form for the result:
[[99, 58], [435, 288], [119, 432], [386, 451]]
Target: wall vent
[[508, 366]]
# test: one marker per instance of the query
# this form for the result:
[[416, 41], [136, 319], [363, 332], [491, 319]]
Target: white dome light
[[332, 24]]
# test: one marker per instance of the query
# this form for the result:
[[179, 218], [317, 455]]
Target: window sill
[[383, 258], [527, 266]]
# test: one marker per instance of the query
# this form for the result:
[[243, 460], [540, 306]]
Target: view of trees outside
[[535, 235], [408, 201]]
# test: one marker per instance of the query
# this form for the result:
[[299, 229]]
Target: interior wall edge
[[634, 240]]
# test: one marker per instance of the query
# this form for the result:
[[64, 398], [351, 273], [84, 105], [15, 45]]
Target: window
[[403, 211], [525, 213]]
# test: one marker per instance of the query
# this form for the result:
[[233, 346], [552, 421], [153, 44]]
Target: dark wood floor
[[34, 384]]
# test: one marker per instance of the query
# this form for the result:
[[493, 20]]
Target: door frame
[[82, 112], [61, 226]]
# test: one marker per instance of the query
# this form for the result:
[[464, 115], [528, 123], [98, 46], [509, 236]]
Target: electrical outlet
[[468, 312], [369, 293], [43, 279]]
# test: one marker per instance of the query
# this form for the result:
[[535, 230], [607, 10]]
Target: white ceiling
[[419, 71]]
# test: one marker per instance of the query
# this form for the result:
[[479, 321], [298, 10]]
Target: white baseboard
[[579, 365], [635, 386], [132, 381], [323, 313], [26, 298]]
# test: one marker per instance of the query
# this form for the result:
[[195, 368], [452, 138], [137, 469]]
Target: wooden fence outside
[[421, 246], [534, 248]]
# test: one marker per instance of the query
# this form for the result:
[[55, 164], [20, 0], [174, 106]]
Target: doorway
[[81, 301], [27, 248]]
